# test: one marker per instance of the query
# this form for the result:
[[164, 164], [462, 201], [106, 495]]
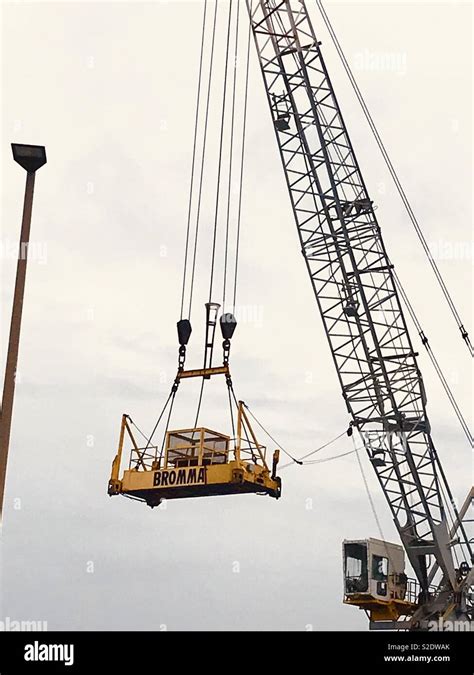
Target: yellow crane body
[[382, 610]]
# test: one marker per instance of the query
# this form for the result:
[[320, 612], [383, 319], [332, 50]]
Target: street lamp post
[[31, 158]]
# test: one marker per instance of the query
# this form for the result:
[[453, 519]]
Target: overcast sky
[[109, 88]]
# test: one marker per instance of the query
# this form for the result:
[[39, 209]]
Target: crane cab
[[197, 462], [375, 579]]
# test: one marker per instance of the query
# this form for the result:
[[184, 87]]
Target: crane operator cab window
[[355, 568], [380, 573]]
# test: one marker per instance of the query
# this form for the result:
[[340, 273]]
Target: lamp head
[[30, 157]]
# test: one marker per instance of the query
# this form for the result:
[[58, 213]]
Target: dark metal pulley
[[184, 331], [228, 325]]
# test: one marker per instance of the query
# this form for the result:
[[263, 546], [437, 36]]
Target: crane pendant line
[[353, 282]]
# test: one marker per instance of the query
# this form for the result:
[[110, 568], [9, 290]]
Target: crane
[[359, 297], [355, 288]]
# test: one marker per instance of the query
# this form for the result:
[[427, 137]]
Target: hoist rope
[[242, 156], [424, 340], [370, 498], [367, 489], [229, 89], [193, 162], [395, 177], [221, 144], [434, 361], [231, 156], [422, 335], [227, 142], [426, 344], [203, 156], [358, 190]]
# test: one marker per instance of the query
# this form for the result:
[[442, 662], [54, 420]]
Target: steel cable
[[221, 144], [242, 157], [395, 177], [201, 177], [191, 185], [231, 155]]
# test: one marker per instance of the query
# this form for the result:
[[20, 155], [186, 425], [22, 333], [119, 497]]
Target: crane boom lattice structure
[[355, 289]]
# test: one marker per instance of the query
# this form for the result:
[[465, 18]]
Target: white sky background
[[109, 88]]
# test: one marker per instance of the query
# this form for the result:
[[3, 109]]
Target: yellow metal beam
[[203, 372], [246, 422], [118, 457]]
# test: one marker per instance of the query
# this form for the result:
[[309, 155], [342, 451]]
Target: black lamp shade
[[30, 157]]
